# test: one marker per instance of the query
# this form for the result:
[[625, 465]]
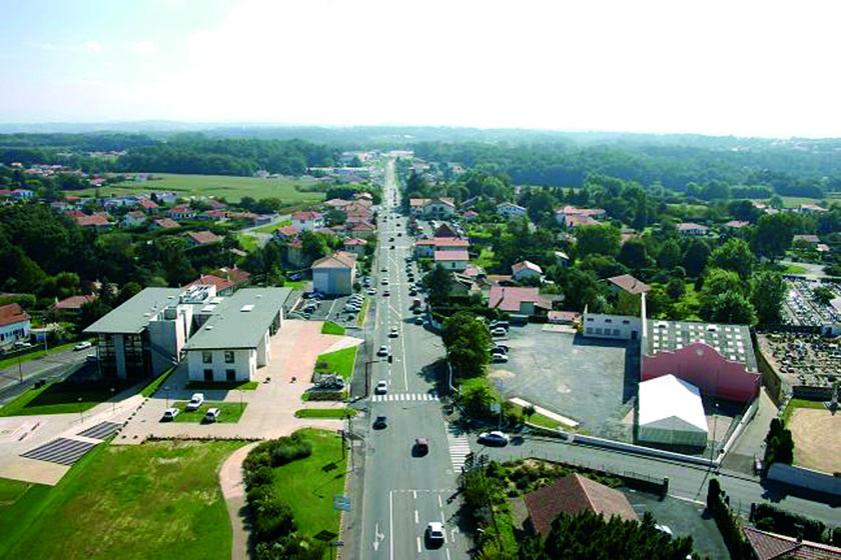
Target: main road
[[403, 491]]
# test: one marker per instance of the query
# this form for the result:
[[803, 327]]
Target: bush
[[771, 518], [326, 395], [287, 449]]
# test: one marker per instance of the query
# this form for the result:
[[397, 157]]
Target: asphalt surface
[[58, 364], [401, 491]]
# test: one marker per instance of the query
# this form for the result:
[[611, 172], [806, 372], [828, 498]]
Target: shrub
[[287, 449]]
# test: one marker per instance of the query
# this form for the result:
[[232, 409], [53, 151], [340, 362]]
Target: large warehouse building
[[671, 412]]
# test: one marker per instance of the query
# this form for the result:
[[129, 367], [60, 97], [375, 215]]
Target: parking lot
[[590, 381]]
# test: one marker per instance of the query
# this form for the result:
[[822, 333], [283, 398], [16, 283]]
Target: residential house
[[362, 229], [147, 204], [337, 203], [526, 270], [23, 194], [570, 216], [619, 327], [334, 274], [182, 212], [432, 207], [14, 324], [563, 317], [445, 230], [215, 204], [213, 216], [165, 223], [734, 225], [772, 546], [132, 219], [470, 215], [204, 237], [286, 233], [73, 304], [509, 210], [572, 495], [451, 260], [628, 284], [308, 220], [98, 221], [234, 274], [811, 209], [463, 285], [356, 246], [518, 300], [295, 252], [690, 229], [425, 248], [224, 287], [562, 259], [810, 239]]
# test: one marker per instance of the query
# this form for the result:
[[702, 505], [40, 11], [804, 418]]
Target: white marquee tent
[[671, 412]]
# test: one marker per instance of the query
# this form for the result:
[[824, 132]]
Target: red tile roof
[[236, 275], [167, 223], [446, 256], [12, 313], [510, 298], [770, 546], [147, 203], [573, 494], [94, 220], [353, 241], [212, 280], [304, 216], [736, 224], [565, 316], [630, 284], [689, 226], [339, 259], [74, 302], [204, 237], [576, 220], [288, 231]]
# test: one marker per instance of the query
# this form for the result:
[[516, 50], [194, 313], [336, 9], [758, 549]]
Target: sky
[[744, 67]]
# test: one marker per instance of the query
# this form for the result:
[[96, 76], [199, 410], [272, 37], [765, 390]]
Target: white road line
[[419, 545], [440, 501], [417, 517], [415, 494], [448, 554]]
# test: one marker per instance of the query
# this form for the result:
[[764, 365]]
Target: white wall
[[620, 327], [14, 331], [245, 364]]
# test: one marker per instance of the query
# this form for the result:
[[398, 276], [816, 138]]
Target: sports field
[[816, 442], [232, 188]]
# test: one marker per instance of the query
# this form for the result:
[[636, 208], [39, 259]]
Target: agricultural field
[[232, 188]]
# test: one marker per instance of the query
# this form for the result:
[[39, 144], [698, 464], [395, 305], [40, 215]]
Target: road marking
[[415, 494], [690, 500], [419, 545], [377, 536], [448, 553], [404, 396], [459, 446], [443, 522], [417, 517], [440, 501]]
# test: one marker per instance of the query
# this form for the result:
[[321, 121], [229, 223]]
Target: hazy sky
[[741, 67]]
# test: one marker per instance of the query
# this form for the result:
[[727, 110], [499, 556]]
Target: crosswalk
[[395, 397], [459, 447]]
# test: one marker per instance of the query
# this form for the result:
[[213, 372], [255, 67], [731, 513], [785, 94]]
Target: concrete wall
[[15, 331], [245, 364], [800, 477], [619, 327], [333, 281]]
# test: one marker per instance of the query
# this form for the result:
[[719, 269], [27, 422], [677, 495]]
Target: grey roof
[[733, 342], [231, 326], [133, 315]]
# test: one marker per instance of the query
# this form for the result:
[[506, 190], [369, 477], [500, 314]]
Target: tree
[[774, 233], [634, 254], [735, 255], [779, 445], [314, 246], [581, 288], [695, 257], [717, 281], [477, 395], [670, 255], [675, 288], [768, 291], [730, 307], [439, 282], [603, 240], [467, 341], [823, 295], [713, 494]]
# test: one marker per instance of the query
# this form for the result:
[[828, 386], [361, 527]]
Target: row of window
[[17, 333], [230, 375], [606, 332], [624, 321], [207, 357]]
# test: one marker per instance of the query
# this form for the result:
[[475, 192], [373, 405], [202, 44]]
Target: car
[[421, 445], [296, 276], [170, 414], [664, 529], [381, 388], [399, 234], [371, 292], [383, 351], [500, 347], [502, 324], [22, 344], [435, 533], [393, 332], [212, 415], [419, 320], [499, 331], [383, 269], [493, 438], [391, 238], [91, 358], [392, 247], [417, 310], [499, 358], [380, 422], [384, 282], [386, 293], [83, 345], [195, 401]]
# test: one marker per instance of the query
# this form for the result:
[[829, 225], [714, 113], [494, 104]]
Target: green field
[[270, 228], [340, 361], [59, 398], [308, 485], [231, 188], [229, 412], [156, 500], [329, 327]]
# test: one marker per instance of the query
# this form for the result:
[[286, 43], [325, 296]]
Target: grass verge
[[223, 386], [325, 413], [363, 313], [329, 327], [150, 389], [229, 412], [539, 419], [340, 362], [61, 397], [156, 500]]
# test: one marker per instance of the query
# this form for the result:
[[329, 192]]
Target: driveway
[[269, 409]]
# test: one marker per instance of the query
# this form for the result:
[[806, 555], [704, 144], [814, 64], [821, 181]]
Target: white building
[[14, 324], [525, 270], [334, 274], [510, 210], [620, 327], [671, 412], [307, 221]]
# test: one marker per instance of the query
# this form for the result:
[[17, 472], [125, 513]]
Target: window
[[231, 374], [589, 330], [589, 319], [207, 357], [598, 330], [615, 332], [229, 356], [608, 320], [208, 375], [626, 322]]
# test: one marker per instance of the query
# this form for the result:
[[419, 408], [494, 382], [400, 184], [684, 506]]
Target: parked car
[[421, 446], [499, 358], [493, 438], [170, 414], [503, 324], [381, 388], [384, 269], [371, 291], [499, 331], [386, 293], [383, 351], [212, 415], [91, 358], [500, 347], [83, 345], [195, 401], [22, 344], [381, 422], [384, 282]]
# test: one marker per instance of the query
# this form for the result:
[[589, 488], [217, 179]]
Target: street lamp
[[166, 389], [113, 402], [81, 416]]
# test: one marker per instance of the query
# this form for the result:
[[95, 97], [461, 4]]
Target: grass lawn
[[224, 386], [540, 419], [229, 412], [340, 361], [249, 243], [296, 284], [232, 188], [486, 259], [325, 413], [36, 355], [150, 389], [308, 485], [59, 398], [270, 228], [800, 403], [329, 327], [794, 269], [155, 500]]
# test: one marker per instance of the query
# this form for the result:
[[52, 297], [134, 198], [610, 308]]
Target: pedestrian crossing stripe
[[459, 446], [396, 397]]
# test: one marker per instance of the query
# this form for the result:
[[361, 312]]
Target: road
[[263, 238], [52, 365], [402, 492]]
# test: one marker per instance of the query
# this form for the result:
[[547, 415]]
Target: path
[[233, 489]]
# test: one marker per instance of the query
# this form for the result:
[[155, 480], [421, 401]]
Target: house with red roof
[[308, 220], [165, 223], [571, 217], [132, 219], [182, 212], [73, 304], [204, 237], [526, 270], [224, 287], [470, 215], [14, 324], [428, 247], [356, 246], [563, 317], [451, 260], [361, 229], [98, 221], [772, 546], [285, 233], [518, 300], [334, 274], [628, 284], [735, 224], [147, 204], [690, 229]]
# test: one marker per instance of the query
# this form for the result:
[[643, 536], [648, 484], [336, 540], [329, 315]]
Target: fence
[[808, 479]]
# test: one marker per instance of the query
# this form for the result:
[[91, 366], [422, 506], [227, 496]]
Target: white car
[[381, 388], [499, 358], [170, 414], [393, 333], [493, 438], [371, 292], [83, 345], [499, 331], [384, 282], [419, 320], [195, 401], [383, 351], [435, 532], [212, 415]]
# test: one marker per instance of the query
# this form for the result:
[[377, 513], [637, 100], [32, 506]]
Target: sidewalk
[[233, 489]]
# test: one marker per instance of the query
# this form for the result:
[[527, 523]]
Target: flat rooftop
[[240, 320], [733, 342], [134, 315]]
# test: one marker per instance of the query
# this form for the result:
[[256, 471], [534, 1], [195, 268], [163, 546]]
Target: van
[[211, 415]]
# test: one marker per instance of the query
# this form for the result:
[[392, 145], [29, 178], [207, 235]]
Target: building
[[425, 248], [691, 229], [334, 274], [204, 237], [285, 233], [355, 245], [73, 304], [451, 260], [470, 215], [445, 230], [570, 216], [810, 239], [571, 495], [132, 219], [628, 284], [432, 207], [224, 287], [771, 546], [811, 209], [307, 221], [526, 270], [14, 324], [733, 225], [236, 275], [518, 300], [182, 212], [670, 412], [563, 317], [562, 259], [619, 327], [147, 204], [165, 223], [235, 340], [509, 210], [98, 222]]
